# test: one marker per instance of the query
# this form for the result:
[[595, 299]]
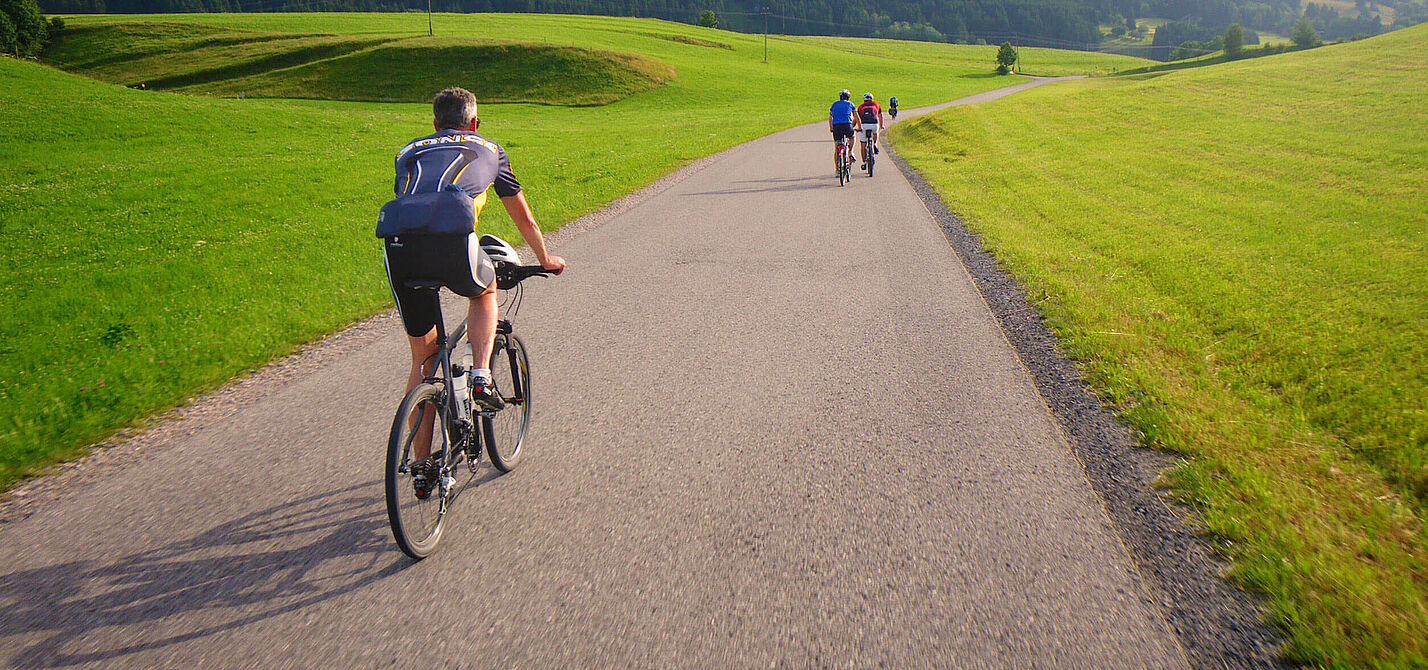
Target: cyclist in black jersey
[[429, 233]]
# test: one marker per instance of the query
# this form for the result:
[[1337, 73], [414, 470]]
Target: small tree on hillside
[[1234, 40], [1006, 58], [30, 30], [708, 19], [1304, 35], [9, 41]]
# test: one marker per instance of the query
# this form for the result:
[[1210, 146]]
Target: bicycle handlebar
[[507, 276]]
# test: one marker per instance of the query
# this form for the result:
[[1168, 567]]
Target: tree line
[[1033, 22], [1075, 24]]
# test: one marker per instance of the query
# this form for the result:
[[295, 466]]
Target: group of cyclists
[[844, 120]]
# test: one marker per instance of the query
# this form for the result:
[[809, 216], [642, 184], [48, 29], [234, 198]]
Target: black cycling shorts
[[457, 262], [842, 130]]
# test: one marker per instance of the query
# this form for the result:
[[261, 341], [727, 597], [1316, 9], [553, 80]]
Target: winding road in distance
[[776, 425]]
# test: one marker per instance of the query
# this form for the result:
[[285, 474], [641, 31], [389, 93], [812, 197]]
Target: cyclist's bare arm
[[521, 215]]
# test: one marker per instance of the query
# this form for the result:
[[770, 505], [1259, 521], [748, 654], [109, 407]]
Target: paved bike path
[[775, 425]]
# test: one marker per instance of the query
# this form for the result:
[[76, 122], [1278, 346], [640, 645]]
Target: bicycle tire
[[417, 525], [505, 431], [872, 160]]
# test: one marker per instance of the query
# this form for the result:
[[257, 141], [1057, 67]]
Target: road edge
[[1219, 625]]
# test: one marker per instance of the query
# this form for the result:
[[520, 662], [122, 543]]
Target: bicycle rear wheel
[[872, 160], [505, 430], [417, 523]]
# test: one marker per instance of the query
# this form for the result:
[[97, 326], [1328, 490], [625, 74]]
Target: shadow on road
[[284, 558], [787, 185]]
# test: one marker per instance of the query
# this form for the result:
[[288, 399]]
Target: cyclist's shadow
[[284, 558]]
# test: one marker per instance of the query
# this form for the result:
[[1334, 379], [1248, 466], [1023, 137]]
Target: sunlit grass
[[1238, 255]]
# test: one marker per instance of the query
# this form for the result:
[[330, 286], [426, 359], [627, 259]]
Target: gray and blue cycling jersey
[[455, 157]]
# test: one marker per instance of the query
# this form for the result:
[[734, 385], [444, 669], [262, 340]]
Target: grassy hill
[[1238, 255], [158, 244], [245, 63]]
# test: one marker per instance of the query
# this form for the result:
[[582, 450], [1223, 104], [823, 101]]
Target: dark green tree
[[31, 31], [1234, 40], [1304, 35], [1006, 58], [708, 19], [9, 41]]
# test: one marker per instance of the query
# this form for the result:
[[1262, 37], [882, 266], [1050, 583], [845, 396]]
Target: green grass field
[[981, 60], [1238, 256], [156, 244]]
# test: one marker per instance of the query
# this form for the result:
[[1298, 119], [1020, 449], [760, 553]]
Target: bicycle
[[438, 406], [843, 160], [869, 148]]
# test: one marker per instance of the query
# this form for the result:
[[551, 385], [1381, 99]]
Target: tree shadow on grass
[[287, 557]]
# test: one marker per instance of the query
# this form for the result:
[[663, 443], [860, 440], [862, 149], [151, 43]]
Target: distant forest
[[1072, 24]]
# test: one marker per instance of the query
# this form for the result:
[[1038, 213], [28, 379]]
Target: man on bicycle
[[869, 114], [841, 117], [440, 178]]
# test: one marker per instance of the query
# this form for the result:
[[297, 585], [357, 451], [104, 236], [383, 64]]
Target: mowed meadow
[[158, 242], [1238, 256]]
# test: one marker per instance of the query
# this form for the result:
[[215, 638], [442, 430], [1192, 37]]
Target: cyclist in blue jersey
[[841, 118]]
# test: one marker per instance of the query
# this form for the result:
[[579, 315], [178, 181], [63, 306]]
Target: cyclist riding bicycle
[[869, 113], [429, 233], [892, 106], [841, 117]]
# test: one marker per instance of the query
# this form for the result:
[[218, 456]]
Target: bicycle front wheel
[[417, 518], [506, 430]]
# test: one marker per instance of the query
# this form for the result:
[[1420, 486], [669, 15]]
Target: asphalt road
[[776, 426]]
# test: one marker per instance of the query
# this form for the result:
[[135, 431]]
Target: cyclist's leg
[[423, 349], [481, 319], [476, 279], [418, 310]]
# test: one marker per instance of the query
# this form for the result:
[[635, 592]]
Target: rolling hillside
[[188, 238], [1238, 254]]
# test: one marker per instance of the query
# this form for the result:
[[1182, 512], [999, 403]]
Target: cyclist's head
[[893, 100], [844, 94], [454, 108], [867, 97]]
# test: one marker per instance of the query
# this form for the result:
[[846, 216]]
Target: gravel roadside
[[1220, 625]]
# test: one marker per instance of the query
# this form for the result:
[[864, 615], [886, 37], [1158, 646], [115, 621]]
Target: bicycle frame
[[456, 414], [867, 138]]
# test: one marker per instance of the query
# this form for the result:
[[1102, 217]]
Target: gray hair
[[454, 108]]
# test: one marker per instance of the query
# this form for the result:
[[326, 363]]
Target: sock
[[480, 377]]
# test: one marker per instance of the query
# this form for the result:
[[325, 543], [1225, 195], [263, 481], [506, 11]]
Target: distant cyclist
[[841, 117], [892, 106], [870, 114], [429, 233]]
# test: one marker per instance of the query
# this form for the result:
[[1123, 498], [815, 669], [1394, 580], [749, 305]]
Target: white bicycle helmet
[[867, 96], [499, 250], [844, 94]]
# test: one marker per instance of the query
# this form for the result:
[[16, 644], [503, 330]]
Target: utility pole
[[766, 35], [429, 31]]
